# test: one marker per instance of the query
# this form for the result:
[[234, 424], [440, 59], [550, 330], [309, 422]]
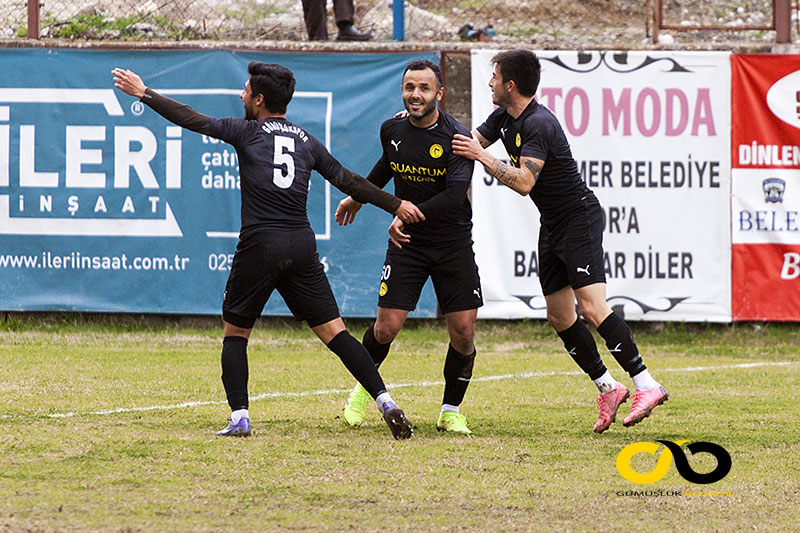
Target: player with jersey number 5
[[277, 247], [571, 234], [417, 155]]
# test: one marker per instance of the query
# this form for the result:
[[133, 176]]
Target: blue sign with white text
[[105, 206]]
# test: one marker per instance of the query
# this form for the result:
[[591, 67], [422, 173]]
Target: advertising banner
[[105, 206], [766, 187], [651, 134]]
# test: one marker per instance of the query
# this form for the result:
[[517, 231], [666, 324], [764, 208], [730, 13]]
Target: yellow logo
[[437, 151], [662, 466], [518, 140], [672, 450], [385, 289]]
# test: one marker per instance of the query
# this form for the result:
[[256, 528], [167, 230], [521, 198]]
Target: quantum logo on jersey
[[417, 173], [110, 182], [436, 151], [673, 450]]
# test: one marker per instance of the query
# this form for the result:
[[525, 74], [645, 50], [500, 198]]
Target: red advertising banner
[[765, 187]]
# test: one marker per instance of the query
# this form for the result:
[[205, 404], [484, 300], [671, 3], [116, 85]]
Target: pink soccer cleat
[[644, 401], [609, 404]]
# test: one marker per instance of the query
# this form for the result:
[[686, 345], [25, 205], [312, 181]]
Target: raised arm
[[362, 191], [348, 208], [131, 84], [520, 179]]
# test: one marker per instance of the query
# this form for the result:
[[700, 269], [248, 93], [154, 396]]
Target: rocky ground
[[552, 24]]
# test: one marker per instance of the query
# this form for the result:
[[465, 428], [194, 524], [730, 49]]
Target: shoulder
[[393, 123], [540, 118], [232, 123], [454, 125]]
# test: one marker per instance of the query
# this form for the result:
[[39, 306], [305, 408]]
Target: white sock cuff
[[447, 408], [382, 399], [238, 415], [605, 382]]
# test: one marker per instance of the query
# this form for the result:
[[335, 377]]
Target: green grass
[[533, 464]]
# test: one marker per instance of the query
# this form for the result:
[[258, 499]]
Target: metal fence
[[546, 23]]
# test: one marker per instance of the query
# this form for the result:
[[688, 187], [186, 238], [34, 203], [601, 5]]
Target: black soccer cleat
[[400, 426]]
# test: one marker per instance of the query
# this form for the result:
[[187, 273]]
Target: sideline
[[392, 386]]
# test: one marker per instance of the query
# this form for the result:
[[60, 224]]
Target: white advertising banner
[[651, 134]]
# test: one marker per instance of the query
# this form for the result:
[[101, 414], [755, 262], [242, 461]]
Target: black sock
[[457, 375], [580, 344], [619, 341], [357, 360], [235, 372], [377, 350]]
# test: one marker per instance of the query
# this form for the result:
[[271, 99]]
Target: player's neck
[[426, 121], [264, 114], [518, 105]]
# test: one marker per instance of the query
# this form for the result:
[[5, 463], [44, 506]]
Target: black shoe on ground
[[350, 33], [401, 427]]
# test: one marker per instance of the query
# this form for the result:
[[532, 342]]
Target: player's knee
[[384, 333], [561, 320], [462, 337], [593, 313]]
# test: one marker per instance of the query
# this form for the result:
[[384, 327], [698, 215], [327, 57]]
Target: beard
[[500, 99], [427, 109], [250, 113]]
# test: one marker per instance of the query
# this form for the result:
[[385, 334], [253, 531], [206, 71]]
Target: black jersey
[[537, 133], [422, 163], [276, 158]]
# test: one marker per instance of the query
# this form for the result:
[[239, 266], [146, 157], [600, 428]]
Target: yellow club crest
[[384, 288], [518, 140], [436, 150]]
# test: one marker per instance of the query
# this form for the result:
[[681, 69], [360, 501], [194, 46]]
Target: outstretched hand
[[128, 82], [346, 211], [409, 213]]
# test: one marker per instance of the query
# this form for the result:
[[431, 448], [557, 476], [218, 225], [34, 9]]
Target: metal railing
[[780, 22], [551, 23]]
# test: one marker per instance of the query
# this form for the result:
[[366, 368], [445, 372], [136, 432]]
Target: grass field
[[108, 425]]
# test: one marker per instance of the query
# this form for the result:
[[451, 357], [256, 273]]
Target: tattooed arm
[[520, 179]]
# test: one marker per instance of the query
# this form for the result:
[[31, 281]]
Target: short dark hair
[[522, 66], [274, 82], [422, 64]]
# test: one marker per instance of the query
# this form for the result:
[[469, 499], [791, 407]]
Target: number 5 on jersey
[[284, 148]]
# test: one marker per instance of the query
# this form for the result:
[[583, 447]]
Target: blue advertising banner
[[107, 207]]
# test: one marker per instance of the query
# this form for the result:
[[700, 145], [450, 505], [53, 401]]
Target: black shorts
[[285, 260], [571, 254], [451, 267]]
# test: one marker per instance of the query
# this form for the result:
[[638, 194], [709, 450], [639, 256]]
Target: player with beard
[[571, 234], [277, 247], [417, 154]]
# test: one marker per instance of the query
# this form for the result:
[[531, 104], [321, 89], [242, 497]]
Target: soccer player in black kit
[[417, 154], [277, 247], [571, 234]]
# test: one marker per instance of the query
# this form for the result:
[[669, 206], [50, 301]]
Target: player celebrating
[[417, 154], [571, 235], [277, 247]]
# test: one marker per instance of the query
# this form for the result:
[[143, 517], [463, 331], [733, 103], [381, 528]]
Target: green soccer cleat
[[452, 423], [355, 410]]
